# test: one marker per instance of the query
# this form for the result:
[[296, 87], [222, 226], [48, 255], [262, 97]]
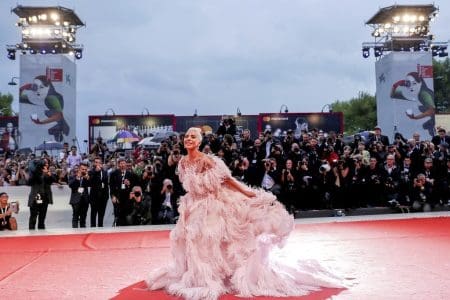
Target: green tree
[[441, 74], [5, 104], [360, 113]]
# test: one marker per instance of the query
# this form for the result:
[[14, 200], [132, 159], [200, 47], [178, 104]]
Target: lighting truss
[[47, 30], [403, 28]]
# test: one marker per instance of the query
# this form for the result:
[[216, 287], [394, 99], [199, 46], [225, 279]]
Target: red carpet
[[390, 259]]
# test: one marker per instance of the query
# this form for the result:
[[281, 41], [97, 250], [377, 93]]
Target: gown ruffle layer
[[223, 240]]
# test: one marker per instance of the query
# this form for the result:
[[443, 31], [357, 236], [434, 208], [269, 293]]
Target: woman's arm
[[231, 182], [429, 112]]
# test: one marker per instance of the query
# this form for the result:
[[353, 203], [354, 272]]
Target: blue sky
[[214, 56]]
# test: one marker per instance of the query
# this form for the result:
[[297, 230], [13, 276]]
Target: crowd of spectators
[[316, 170]]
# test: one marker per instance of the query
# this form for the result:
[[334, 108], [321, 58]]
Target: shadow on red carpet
[[138, 291]]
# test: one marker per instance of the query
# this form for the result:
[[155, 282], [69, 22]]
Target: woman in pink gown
[[223, 237]]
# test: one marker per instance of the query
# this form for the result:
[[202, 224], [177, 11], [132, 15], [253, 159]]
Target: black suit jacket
[[115, 184], [436, 140], [99, 185]]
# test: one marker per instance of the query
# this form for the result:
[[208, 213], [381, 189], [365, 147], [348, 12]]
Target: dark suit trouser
[[79, 213], [37, 212], [98, 207]]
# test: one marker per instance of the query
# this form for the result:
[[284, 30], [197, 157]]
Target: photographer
[[289, 187], [7, 221], [270, 177], [99, 194], [421, 195], [120, 184], [168, 204], [22, 175], [40, 196], [79, 198], [99, 148], [140, 208]]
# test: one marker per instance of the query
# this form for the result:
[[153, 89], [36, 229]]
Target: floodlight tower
[[403, 28], [403, 47], [47, 95], [47, 30]]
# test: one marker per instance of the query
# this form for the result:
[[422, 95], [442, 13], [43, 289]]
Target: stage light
[[443, 52], [11, 54], [387, 25], [405, 18], [65, 23], [43, 51], [54, 16], [434, 50], [53, 51], [78, 53], [396, 19], [366, 52], [378, 51], [32, 51], [43, 17]]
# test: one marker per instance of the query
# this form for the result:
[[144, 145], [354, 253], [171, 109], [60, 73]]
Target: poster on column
[[405, 94], [47, 98]]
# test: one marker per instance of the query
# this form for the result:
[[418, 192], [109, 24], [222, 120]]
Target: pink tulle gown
[[222, 241]]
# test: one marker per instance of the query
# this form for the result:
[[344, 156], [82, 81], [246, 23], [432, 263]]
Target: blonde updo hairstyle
[[198, 133]]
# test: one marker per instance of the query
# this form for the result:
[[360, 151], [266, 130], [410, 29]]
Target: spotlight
[[443, 52], [53, 51], [378, 51], [32, 51], [11, 54], [78, 53], [434, 50], [43, 51], [366, 52]]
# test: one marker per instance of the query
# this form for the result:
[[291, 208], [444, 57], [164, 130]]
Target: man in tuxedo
[[99, 194], [441, 137], [378, 137], [120, 185], [79, 198]]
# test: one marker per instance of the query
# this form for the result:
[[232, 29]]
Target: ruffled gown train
[[223, 241]]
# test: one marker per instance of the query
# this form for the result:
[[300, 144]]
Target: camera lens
[[137, 194]]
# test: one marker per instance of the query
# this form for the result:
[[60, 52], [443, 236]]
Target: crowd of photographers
[[315, 170]]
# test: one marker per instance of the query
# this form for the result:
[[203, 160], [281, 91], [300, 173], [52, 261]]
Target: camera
[[324, 168], [137, 194], [169, 186], [14, 207]]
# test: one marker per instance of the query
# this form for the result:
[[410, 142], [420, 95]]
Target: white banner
[[47, 99], [405, 94]]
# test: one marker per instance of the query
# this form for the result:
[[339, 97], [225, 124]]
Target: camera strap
[[4, 214]]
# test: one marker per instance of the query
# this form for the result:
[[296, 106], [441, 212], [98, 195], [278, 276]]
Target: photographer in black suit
[[140, 208], [79, 198], [378, 137], [120, 185], [40, 195], [99, 194]]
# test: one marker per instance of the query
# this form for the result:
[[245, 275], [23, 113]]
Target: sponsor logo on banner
[[425, 71], [54, 75]]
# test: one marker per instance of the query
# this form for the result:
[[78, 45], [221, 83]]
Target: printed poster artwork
[[405, 94], [47, 99]]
